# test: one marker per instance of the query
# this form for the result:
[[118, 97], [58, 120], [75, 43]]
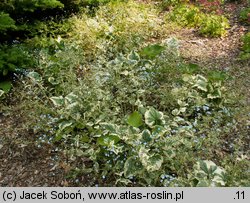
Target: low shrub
[[13, 58], [118, 26], [245, 15], [208, 24], [6, 23], [187, 15], [112, 115], [214, 26], [142, 148], [245, 53]]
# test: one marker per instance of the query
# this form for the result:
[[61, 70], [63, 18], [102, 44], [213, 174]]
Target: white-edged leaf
[[65, 124], [71, 98], [1, 93], [154, 117], [58, 101], [53, 81], [155, 162], [133, 56], [35, 76], [201, 83], [132, 167], [107, 140]]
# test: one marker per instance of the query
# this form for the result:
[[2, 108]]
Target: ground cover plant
[[245, 53], [245, 15], [208, 24], [105, 97]]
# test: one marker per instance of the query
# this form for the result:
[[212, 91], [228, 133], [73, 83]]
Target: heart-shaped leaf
[[154, 117], [57, 101], [135, 119], [132, 167]]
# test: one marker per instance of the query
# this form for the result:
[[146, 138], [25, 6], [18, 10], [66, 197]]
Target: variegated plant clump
[[142, 148], [117, 25]]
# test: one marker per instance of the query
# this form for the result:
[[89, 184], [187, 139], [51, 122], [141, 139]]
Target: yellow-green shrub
[[118, 25], [211, 25]]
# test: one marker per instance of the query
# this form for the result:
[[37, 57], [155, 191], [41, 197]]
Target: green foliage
[[13, 58], [16, 14], [214, 26], [145, 150], [208, 174], [6, 22], [27, 15], [153, 118], [29, 5], [116, 25], [152, 51], [168, 3], [5, 87], [245, 15], [245, 53], [135, 119], [78, 3], [187, 15], [208, 24]]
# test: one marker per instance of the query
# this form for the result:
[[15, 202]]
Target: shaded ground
[[24, 163]]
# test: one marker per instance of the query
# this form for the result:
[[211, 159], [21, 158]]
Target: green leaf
[[5, 86], [214, 95], [150, 162], [35, 76], [85, 138], [201, 83], [1, 93], [6, 22], [209, 172], [65, 124], [203, 183], [57, 138], [5, 72], [155, 162], [58, 101], [53, 81], [132, 167], [123, 181], [192, 68], [135, 119], [154, 117], [133, 56], [152, 51], [107, 140], [187, 77], [176, 112], [216, 76], [109, 127], [71, 98], [158, 131], [146, 135]]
